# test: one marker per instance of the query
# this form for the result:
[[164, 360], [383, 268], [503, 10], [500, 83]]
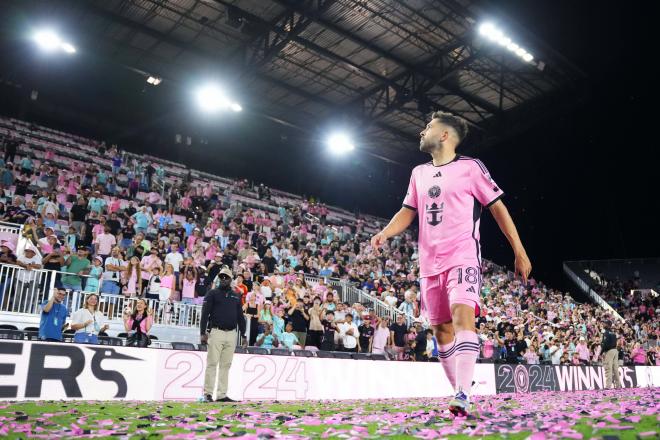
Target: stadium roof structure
[[380, 65]]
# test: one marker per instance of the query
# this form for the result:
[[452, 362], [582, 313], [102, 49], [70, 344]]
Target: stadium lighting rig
[[491, 32], [154, 81], [340, 143], [212, 99], [49, 41]]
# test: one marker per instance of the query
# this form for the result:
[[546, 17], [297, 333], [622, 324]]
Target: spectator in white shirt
[[87, 322], [26, 288], [340, 312], [390, 298], [174, 258], [114, 265], [556, 352], [348, 332], [266, 290]]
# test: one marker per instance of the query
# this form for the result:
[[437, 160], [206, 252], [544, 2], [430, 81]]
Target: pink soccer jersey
[[448, 200]]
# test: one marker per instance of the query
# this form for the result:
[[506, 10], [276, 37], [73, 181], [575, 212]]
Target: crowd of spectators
[[171, 245]]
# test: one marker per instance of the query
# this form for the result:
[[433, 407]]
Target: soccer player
[[449, 193]]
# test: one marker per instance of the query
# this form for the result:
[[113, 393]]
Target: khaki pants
[[221, 347], [611, 366]]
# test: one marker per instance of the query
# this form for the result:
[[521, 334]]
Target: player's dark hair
[[456, 122]]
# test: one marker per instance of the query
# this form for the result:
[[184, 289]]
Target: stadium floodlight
[[49, 41], [486, 28], [340, 143], [212, 98], [68, 48], [154, 81], [490, 31]]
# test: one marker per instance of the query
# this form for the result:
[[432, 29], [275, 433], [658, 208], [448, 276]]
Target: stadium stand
[[171, 229]]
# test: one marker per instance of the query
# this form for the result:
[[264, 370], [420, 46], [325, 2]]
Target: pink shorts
[[458, 285]]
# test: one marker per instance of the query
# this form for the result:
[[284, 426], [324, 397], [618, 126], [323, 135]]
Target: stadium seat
[[202, 347], [378, 357], [8, 327], [122, 335], [281, 352], [11, 334], [31, 336], [107, 340], [31, 329], [240, 350], [153, 337], [324, 354], [183, 346], [361, 356], [342, 355], [303, 353], [256, 350], [67, 335]]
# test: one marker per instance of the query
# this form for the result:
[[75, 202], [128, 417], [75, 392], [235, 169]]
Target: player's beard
[[427, 145]]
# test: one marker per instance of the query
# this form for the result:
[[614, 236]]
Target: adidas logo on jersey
[[471, 289], [438, 174]]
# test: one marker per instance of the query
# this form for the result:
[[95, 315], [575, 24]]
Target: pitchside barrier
[[54, 371]]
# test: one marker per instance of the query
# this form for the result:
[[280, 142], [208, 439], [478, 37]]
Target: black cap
[[607, 323]]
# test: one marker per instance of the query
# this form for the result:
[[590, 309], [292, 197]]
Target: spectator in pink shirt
[[217, 213], [194, 238], [138, 324], [167, 284], [132, 277], [187, 287], [104, 243], [212, 250], [638, 354], [114, 205], [186, 202], [256, 294], [320, 289], [147, 264], [582, 351]]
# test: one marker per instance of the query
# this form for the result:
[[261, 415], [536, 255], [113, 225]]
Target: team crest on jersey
[[434, 191]]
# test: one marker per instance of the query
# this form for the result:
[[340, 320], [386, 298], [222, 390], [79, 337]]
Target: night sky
[[579, 185]]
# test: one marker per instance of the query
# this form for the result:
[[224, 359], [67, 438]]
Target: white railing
[[16, 229], [164, 312], [591, 292], [352, 294], [23, 291]]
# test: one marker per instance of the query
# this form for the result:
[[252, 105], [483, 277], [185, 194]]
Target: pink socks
[[466, 352], [446, 355]]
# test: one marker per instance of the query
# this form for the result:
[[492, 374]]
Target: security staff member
[[222, 313], [610, 356]]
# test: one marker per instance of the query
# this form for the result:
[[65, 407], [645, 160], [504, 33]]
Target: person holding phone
[[88, 322]]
